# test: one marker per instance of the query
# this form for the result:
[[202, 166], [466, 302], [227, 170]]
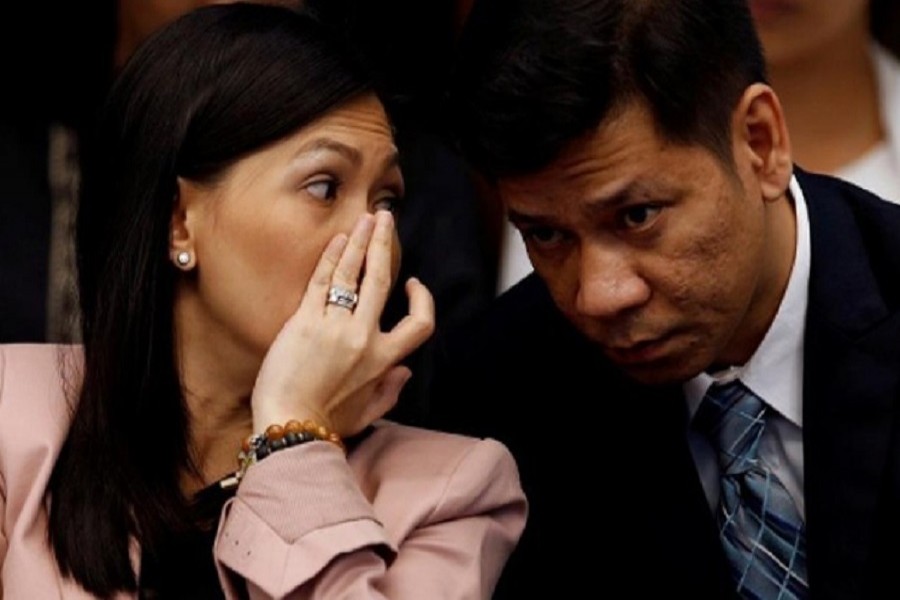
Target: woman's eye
[[640, 216], [325, 189]]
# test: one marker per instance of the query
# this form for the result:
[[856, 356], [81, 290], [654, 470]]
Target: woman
[[232, 275]]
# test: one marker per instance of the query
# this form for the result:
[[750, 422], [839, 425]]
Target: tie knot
[[732, 418]]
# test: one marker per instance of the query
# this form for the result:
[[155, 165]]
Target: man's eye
[[542, 236], [324, 189], [638, 217]]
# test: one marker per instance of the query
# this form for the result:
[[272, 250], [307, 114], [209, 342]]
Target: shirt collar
[[775, 371]]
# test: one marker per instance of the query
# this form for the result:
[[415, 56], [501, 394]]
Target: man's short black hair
[[532, 75]]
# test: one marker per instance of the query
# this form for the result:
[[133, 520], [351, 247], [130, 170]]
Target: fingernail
[[384, 218]]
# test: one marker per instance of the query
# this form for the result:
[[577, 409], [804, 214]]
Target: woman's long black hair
[[208, 89]]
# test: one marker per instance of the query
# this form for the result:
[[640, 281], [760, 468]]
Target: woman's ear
[[181, 228], [760, 133]]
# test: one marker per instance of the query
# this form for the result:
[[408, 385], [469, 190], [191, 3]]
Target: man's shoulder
[[854, 241], [830, 195], [521, 344], [521, 321], [521, 361]]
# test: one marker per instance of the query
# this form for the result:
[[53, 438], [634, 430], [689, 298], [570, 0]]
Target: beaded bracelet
[[260, 445]]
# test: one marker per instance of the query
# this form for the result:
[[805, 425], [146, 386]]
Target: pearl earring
[[183, 258]]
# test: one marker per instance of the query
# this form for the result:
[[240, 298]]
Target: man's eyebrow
[[635, 191], [631, 191], [628, 192], [517, 218]]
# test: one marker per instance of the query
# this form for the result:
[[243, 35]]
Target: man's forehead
[[613, 145]]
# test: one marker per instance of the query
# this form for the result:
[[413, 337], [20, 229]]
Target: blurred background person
[[834, 65], [49, 100], [58, 93]]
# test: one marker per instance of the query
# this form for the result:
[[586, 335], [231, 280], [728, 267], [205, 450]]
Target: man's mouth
[[642, 351]]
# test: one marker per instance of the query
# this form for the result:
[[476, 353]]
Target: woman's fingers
[[417, 326], [349, 267], [376, 285], [342, 295], [344, 370], [385, 395], [320, 281]]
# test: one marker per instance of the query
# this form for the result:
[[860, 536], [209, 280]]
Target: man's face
[[660, 253]]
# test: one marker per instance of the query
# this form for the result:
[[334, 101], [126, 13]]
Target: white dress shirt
[[775, 374], [514, 262]]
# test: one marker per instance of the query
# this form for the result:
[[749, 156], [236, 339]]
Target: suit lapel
[[851, 374]]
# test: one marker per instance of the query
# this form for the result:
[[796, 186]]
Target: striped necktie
[[760, 527]]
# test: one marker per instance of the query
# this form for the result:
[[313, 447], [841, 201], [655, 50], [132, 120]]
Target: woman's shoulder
[[34, 418], [30, 373], [35, 385]]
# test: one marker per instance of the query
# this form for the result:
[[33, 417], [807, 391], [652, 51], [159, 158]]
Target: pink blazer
[[410, 513]]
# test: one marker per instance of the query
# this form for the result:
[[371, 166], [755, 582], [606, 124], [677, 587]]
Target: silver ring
[[341, 296]]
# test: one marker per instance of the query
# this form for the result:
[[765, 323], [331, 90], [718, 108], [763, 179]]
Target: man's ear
[[760, 135], [182, 227]]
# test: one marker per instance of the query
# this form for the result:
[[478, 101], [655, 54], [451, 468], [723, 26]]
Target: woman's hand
[[333, 364]]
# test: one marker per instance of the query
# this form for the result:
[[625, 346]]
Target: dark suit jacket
[[616, 502]]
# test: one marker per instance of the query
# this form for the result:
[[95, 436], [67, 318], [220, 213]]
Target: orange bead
[[321, 432], [274, 432], [309, 426], [293, 426], [245, 445]]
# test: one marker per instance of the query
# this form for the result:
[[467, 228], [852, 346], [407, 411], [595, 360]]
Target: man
[[688, 278]]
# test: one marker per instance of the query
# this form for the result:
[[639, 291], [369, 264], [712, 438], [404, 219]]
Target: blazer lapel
[[851, 382]]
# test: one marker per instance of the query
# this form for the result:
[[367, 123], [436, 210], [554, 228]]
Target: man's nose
[[609, 283]]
